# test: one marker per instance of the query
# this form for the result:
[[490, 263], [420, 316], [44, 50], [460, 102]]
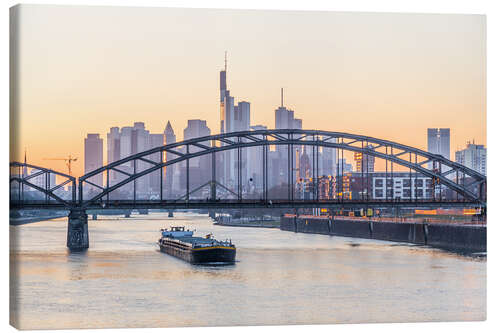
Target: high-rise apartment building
[[93, 146], [473, 156], [364, 162], [438, 141]]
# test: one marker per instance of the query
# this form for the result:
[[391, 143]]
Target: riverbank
[[454, 237], [33, 219], [251, 222], [257, 224]]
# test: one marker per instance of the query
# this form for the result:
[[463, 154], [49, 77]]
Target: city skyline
[[440, 83]]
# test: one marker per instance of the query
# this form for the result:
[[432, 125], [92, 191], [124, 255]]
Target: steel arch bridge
[[469, 185], [412, 158]]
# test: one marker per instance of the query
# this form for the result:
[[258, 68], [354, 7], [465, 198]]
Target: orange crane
[[68, 161]]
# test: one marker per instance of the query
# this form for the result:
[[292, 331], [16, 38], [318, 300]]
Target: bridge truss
[[154, 161], [39, 179], [443, 171], [469, 185]]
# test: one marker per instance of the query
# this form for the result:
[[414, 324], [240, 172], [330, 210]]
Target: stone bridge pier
[[78, 231]]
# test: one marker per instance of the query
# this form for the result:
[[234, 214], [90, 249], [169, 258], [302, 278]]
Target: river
[[280, 277]]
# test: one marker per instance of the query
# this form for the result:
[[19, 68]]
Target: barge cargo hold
[[181, 243]]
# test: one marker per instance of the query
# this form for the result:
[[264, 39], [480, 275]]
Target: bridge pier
[[78, 231]]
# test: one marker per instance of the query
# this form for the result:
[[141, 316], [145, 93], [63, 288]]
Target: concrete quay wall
[[455, 237]]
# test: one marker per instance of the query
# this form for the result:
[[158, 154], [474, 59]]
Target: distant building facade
[[93, 151], [130, 140], [364, 162], [438, 141], [473, 156], [343, 166], [232, 118], [169, 137], [255, 164], [380, 186], [200, 168], [285, 119]]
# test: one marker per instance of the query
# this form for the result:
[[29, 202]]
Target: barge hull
[[213, 255], [202, 256]]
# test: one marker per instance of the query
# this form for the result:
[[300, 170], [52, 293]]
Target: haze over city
[[348, 72]]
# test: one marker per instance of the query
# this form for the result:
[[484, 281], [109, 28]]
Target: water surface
[[280, 277]]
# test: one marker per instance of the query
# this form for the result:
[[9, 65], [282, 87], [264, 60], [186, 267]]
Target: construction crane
[[68, 161]]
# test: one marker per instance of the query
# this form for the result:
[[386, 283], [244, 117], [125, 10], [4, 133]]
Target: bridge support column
[[78, 231]]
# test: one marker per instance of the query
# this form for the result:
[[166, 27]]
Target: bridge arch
[[49, 190], [397, 153]]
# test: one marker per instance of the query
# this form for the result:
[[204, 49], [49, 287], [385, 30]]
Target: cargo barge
[[181, 243]]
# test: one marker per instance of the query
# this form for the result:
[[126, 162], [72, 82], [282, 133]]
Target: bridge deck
[[247, 203]]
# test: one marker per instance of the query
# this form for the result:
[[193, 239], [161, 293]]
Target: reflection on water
[[280, 277]]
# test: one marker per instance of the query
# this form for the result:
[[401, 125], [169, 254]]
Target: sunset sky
[[85, 69]]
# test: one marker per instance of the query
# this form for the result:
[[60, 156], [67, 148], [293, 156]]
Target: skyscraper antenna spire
[[281, 97], [225, 61]]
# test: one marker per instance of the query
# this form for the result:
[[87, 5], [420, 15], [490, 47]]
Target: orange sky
[[84, 69]]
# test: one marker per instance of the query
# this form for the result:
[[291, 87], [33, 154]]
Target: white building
[[400, 186], [473, 156]]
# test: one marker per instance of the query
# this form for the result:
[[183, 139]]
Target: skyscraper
[[242, 116], [328, 156], [169, 170], [131, 140], [155, 140], [284, 119], [364, 162], [93, 157], [140, 142], [200, 168], [473, 156], [232, 118], [438, 141], [255, 162]]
